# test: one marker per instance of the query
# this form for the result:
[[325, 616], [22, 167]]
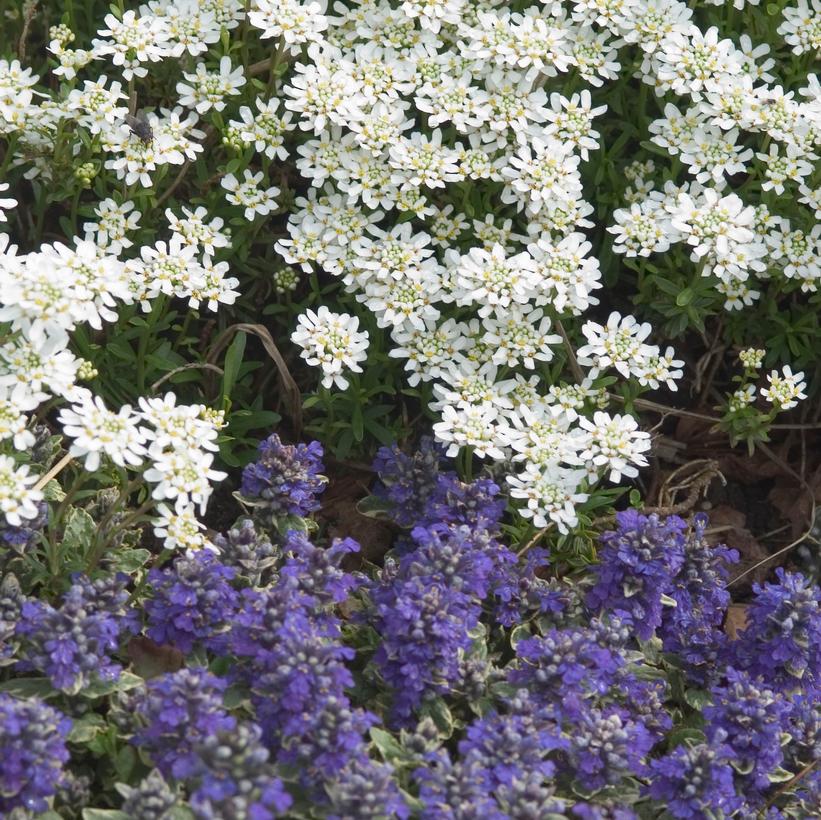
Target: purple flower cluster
[[692, 628], [189, 735], [293, 660], [570, 667], [637, 563], [315, 572], [366, 790], [407, 482], [603, 717], [502, 769], [749, 719], [424, 608], [192, 602], [249, 551], [236, 778], [176, 712], [151, 799], [663, 578], [73, 644], [694, 782], [422, 494], [607, 745], [782, 640], [285, 479], [32, 753]]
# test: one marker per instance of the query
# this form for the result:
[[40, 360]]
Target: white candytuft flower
[[18, 498], [785, 389], [333, 342], [97, 431]]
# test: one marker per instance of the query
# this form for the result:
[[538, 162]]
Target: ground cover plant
[[379, 383]]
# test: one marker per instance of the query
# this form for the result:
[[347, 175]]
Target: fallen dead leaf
[[736, 620], [150, 660]]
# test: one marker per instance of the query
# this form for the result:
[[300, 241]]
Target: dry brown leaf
[[795, 503], [293, 397], [736, 620], [150, 660]]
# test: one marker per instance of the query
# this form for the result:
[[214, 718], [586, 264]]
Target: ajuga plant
[[271, 672]]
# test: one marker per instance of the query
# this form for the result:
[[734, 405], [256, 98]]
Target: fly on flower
[[140, 128]]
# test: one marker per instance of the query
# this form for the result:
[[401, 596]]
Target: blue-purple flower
[[421, 493], [366, 790], [176, 712], [292, 658], [235, 778], [408, 481], [692, 628], [605, 746], [315, 571], [248, 550], [749, 719], [73, 645], [569, 668], [285, 479], [192, 602], [782, 640], [692, 783], [637, 564], [424, 609], [32, 753]]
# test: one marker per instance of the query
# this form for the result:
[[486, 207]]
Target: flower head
[[33, 745], [333, 341]]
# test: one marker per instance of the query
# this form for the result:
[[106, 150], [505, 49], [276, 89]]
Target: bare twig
[[788, 785], [44, 479], [209, 133], [646, 404], [189, 366], [289, 386], [536, 538], [782, 551], [29, 10], [578, 373]]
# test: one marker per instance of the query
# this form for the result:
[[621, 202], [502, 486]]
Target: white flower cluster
[[471, 306], [443, 156], [727, 94], [47, 294], [332, 341]]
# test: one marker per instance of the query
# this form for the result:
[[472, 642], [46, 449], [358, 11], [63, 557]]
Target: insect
[[140, 128]]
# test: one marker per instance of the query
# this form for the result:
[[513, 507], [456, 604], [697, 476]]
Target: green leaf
[[697, 698], [357, 423], [104, 814], [519, 633], [441, 714], [374, 507], [79, 531], [124, 762], [180, 813], [28, 687], [129, 560], [685, 297], [233, 361], [53, 491], [86, 728], [98, 688], [387, 744]]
